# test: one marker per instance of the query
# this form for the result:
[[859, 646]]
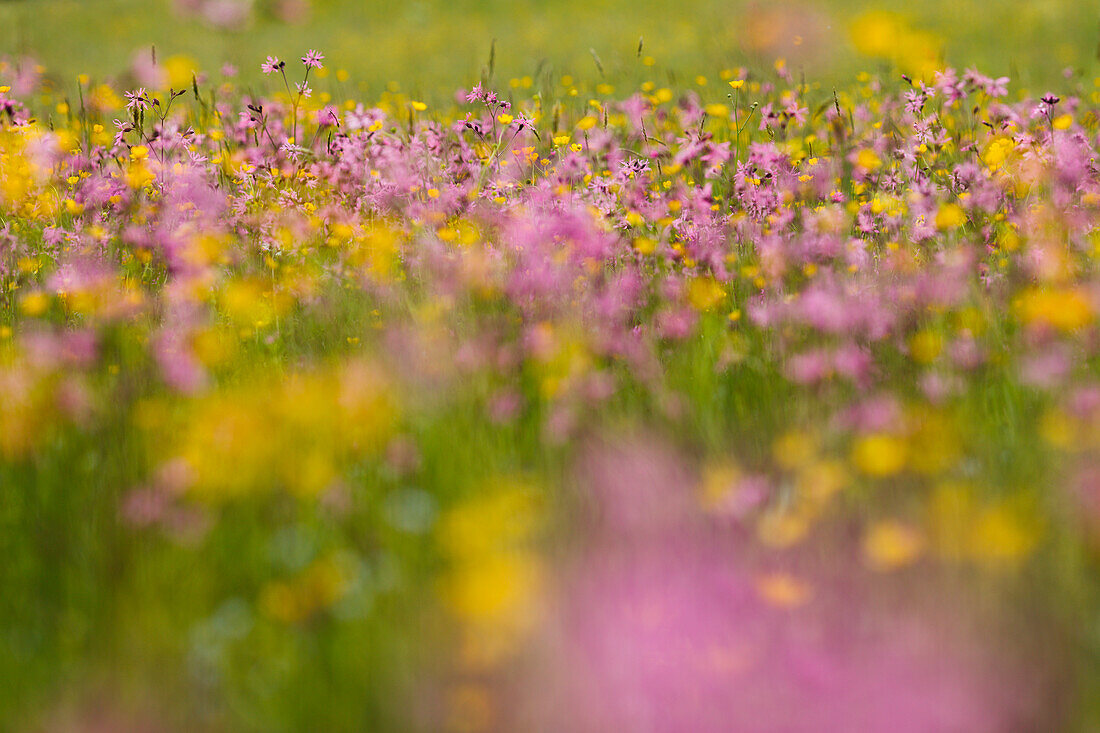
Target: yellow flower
[[318, 587], [34, 304], [138, 176], [950, 216], [997, 152], [879, 455], [705, 293], [179, 71], [495, 577], [497, 587], [782, 529], [794, 448], [1003, 534], [925, 346], [889, 545], [877, 33], [783, 590], [886, 35], [868, 159], [1065, 309]]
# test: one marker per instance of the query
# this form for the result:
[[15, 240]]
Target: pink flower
[[272, 65], [137, 100]]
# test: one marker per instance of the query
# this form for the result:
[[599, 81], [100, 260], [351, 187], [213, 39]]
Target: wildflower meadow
[[613, 396]]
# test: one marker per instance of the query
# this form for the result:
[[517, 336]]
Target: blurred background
[[431, 45]]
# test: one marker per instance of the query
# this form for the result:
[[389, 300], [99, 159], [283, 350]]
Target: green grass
[[432, 47]]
